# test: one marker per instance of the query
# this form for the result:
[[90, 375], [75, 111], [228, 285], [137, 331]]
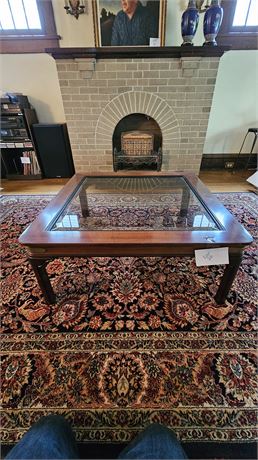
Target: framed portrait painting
[[129, 22]]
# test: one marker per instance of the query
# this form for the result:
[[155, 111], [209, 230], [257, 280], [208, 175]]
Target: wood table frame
[[43, 245]]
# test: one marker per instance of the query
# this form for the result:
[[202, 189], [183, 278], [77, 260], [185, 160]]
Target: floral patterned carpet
[[129, 342]]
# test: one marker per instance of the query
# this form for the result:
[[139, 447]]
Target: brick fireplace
[[172, 86]]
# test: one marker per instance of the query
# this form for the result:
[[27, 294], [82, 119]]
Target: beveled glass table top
[[134, 203]]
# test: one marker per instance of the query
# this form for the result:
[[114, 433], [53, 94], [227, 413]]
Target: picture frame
[[113, 25]]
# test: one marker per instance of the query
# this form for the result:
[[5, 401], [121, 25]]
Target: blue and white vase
[[189, 23], [212, 22]]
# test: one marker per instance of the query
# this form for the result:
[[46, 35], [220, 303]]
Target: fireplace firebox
[[137, 142]]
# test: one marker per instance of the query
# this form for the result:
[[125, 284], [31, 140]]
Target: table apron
[[124, 251]]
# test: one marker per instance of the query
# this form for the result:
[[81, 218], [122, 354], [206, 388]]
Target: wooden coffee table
[[133, 214]]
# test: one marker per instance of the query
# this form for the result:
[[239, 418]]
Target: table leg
[[183, 213], [84, 203], [228, 276], [38, 266], [185, 202]]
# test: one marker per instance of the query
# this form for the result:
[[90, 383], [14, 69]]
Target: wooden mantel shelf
[[140, 52]]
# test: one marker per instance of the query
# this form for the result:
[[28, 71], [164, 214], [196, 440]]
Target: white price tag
[[25, 160], [154, 42], [18, 145], [253, 179], [216, 256]]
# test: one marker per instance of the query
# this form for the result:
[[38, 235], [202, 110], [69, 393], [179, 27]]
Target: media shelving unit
[[18, 153]]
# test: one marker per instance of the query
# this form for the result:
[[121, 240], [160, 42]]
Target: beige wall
[[34, 75], [74, 32], [233, 108]]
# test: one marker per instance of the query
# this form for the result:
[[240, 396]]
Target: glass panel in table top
[[134, 203]]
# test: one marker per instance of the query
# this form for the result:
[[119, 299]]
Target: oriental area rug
[[130, 341]]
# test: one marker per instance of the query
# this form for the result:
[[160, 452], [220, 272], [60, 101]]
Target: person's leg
[[155, 442], [50, 438]]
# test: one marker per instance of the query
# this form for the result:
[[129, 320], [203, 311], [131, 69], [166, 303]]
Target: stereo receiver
[[14, 134]]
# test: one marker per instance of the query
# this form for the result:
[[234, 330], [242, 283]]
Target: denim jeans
[[155, 442], [49, 438], [52, 438]]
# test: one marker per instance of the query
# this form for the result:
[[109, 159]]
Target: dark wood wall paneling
[[219, 161]]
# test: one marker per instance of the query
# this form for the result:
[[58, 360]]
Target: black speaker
[[53, 149]]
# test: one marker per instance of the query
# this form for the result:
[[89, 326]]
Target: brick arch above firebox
[[138, 102]]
